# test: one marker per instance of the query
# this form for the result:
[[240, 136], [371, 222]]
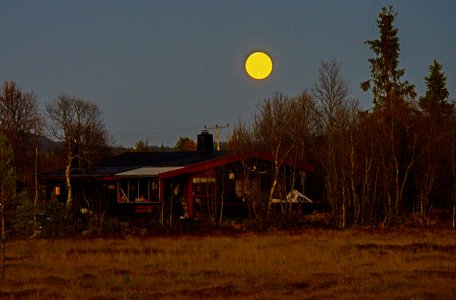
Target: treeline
[[70, 134], [379, 166], [77, 137]]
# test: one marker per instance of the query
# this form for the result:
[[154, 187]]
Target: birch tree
[[272, 130], [337, 115], [282, 127], [78, 125]]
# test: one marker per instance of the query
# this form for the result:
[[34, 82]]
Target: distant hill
[[45, 144]]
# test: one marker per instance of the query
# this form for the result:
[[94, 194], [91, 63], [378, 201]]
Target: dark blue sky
[[164, 69]]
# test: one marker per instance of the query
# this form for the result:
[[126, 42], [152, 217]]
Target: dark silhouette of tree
[[21, 122], [394, 117], [331, 92], [385, 81], [338, 116], [435, 102], [436, 128]]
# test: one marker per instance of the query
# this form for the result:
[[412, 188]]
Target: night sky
[[164, 69]]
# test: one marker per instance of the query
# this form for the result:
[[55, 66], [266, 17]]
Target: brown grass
[[357, 263]]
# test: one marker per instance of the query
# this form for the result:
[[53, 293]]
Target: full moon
[[258, 65]]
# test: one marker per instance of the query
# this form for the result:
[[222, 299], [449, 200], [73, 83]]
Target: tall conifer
[[385, 81]]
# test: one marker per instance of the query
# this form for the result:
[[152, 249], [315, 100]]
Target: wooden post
[[161, 202], [190, 196]]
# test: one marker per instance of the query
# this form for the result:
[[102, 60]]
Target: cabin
[[203, 185]]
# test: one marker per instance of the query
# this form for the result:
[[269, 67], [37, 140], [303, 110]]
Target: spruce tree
[[385, 81], [435, 102]]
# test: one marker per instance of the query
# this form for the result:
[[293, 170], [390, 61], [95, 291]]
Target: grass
[[314, 263]]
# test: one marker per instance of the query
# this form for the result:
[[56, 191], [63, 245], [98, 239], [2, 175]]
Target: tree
[[242, 138], [281, 127], [385, 81], [429, 168], [436, 131], [331, 91], [7, 187], [304, 128], [78, 125], [142, 146], [272, 130], [185, 144], [394, 115], [338, 116], [21, 122], [435, 102]]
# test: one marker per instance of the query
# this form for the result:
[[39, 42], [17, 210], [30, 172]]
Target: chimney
[[205, 143]]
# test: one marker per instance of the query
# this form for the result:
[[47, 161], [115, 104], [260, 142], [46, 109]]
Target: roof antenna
[[217, 127]]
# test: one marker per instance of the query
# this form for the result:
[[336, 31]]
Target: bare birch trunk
[[356, 204], [35, 201], [277, 165], [271, 194], [68, 179]]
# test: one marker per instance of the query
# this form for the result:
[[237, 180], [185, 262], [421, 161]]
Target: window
[[245, 188], [138, 190]]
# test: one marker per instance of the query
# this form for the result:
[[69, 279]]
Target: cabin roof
[[135, 163], [147, 171], [164, 164]]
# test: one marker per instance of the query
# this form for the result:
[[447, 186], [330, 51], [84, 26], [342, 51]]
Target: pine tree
[[385, 83]]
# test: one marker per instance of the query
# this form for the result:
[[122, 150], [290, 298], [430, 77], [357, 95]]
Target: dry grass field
[[311, 264]]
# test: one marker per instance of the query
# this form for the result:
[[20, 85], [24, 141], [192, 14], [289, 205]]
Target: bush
[[22, 217], [56, 220]]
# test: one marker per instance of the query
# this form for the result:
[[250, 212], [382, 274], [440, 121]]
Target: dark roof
[[190, 162], [132, 160], [231, 158], [157, 159]]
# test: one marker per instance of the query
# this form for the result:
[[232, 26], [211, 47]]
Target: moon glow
[[258, 65]]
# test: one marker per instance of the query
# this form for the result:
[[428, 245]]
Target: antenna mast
[[217, 128]]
